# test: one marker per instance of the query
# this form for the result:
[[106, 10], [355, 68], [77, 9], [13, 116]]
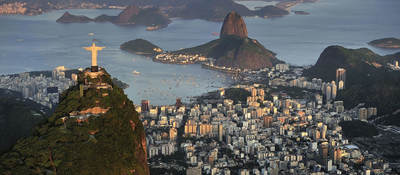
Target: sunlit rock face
[[233, 25]]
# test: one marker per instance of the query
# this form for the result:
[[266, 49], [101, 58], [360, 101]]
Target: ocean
[[31, 43]]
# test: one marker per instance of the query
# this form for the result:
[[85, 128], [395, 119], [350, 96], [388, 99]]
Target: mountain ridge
[[130, 16], [188, 9], [94, 130], [18, 117], [369, 79]]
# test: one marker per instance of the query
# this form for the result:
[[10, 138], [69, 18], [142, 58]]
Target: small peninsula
[[141, 47], [233, 52], [387, 43], [234, 49]]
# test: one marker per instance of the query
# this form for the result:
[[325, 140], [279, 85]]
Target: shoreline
[[385, 46], [169, 62], [287, 5], [205, 66], [21, 8]]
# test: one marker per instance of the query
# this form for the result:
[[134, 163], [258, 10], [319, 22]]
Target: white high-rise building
[[323, 88], [334, 90], [329, 165], [328, 92], [341, 76], [282, 67], [341, 85], [363, 114]]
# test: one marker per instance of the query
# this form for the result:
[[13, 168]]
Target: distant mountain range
[[190, 9], [216, 10], [132, 15], [369, 78]]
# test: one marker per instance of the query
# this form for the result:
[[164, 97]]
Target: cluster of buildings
[[281, 135], [265, 133], [365, 113], [43, 89], [329, 90], [212, 66], [179, 58], [395, 65], [161, 125], [282, 67], [13, 8]]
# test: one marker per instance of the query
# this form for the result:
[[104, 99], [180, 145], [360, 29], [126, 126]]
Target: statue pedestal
[[94, 69]]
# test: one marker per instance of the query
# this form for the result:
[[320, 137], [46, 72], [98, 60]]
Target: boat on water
[[91, 34], [135, 72], [153, 27]]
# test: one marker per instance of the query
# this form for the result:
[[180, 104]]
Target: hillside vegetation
[[18, 117], [110, 143], [233, 51], [140, 47], [357, 128], [368, 78]]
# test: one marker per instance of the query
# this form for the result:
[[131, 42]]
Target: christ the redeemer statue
[[94, 50]]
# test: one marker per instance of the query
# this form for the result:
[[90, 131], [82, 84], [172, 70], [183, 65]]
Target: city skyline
[[199, 88]]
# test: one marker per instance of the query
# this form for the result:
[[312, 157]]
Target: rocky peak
[[127, 14], [66, 14], [233, 25]]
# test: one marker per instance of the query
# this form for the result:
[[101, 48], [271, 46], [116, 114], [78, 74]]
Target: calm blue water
[[39, 43]]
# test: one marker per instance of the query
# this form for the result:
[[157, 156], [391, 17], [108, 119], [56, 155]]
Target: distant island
[[188, 9], [387, 43], [370, 78], [69, 18], [153, 18], [141, 47], [234, 51]]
